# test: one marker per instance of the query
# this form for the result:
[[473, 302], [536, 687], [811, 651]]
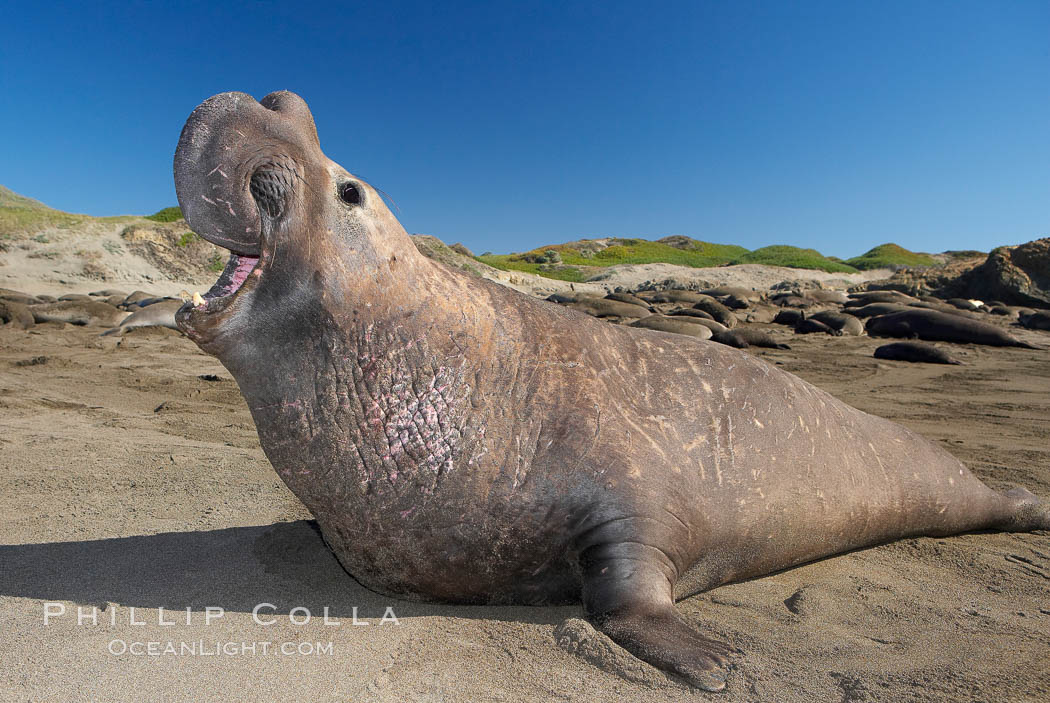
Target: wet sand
[[132, 478]]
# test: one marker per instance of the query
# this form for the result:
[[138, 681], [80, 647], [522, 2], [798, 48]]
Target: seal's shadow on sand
[[286, 564]]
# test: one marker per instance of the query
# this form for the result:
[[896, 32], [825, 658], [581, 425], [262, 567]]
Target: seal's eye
[[349, 194]]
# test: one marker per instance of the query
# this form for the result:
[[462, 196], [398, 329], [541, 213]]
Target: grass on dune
[[641, 251], [890, 256], [168, 214], [563, 263], [784, 255], [560, 260], [561, 273], [22, 217]]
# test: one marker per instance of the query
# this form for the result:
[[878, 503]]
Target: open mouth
[[237, 270]]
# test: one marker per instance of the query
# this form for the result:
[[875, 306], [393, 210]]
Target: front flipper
[[628, 595]]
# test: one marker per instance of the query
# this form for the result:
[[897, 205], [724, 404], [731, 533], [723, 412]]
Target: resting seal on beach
[[160, 314], [935, 326], [458, 441]]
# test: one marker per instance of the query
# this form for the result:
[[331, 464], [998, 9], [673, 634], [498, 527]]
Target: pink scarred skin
[[458, 441]]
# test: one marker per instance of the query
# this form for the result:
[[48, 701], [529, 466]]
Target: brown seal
[[459, 441], [689, 326], [915, 352], [76, 312], [935, 326], [842, 322]]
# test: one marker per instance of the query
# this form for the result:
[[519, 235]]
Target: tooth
[[197, 300], [185, 296]]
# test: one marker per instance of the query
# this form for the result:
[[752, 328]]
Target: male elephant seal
[[743, 337], [459, 441], [915, 352], [935, 326], [77, 312], [840, 322], [600, 307], [1035, 320], [690, 326], [157, 315]]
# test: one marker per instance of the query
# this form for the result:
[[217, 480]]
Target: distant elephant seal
[[789, 317], [822, 295], [843, 323], [138, 296], [964, 304], [934, 326], [943, 307], [600, 307], [813, 326], [741, 292], [14, 296], [146, 302], [156, 315], [729, 339], [712, 325], [677, 325], [628, 298], [740, 300], [735, 302], [1035, 320], [690, 312], [460, 441], [762, 313], [878, 296], [915, 351], [76, 312], [1004, 311], [791, 301], [16, 314], [742, 337], [678, 296], [718, 311], [873, 309]]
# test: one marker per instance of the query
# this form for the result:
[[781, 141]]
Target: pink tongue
[[245, 264]]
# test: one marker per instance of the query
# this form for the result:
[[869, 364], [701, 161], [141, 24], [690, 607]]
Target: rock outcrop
[[1017, 275]]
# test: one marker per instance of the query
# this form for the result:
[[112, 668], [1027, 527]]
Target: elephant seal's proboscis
[[458, 441]]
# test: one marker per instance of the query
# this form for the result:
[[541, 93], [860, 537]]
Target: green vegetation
[[503, 262], [783, 255], [545, 260], [693, 253], [168, 214], [21, 216], [216, 264], [890, 256], [561, 260], [15, 220], [187, 238]]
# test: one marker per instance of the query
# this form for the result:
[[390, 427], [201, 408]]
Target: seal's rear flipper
[[628, 596], [1025, 512]]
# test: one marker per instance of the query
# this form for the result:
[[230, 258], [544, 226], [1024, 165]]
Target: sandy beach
[[135, 491]]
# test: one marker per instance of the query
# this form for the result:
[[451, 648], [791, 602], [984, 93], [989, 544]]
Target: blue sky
[[834, 125]]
